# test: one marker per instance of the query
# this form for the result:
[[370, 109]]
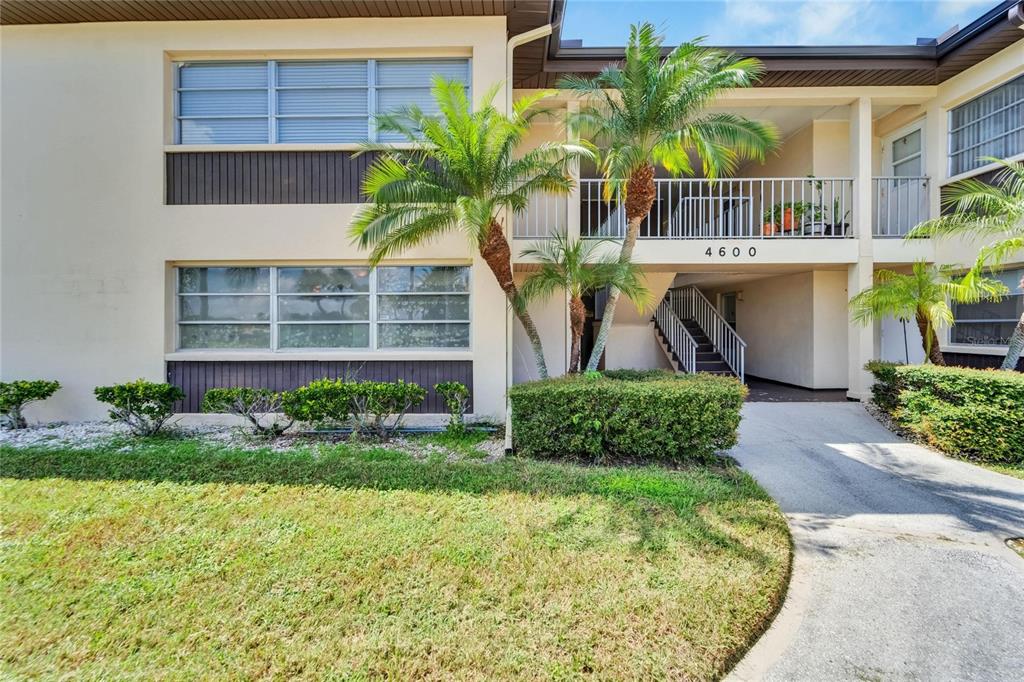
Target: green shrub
[[323, 403], [143, 405], [259, 406], [369, 407], [964, 412], [684, 419], [639, 374], [456, 399], [15, 395], [379, 407], [885, 391]]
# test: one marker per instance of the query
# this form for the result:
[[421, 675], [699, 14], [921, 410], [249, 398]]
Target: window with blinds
[[991, 125], [300, 101]]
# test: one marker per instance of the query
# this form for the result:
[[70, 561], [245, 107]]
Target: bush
[[379, 407], [143, 405], [324, 403], [15, 395], [885, 391], [964, 412], [370, 407], [259, 406], [456, 399], [640, 374], [670, 419]]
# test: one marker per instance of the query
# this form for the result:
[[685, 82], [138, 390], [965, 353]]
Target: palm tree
[[461, 175], [578, 268], [652, 110], [922, 296], [989, 212]]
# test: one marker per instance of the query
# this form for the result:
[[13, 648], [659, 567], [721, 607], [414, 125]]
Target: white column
[[860, 339], [573, 200], [936, 131]]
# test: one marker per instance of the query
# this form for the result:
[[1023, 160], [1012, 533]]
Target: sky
[[605, 23]]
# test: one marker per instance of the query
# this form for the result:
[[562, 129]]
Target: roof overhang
[[540, 63], [810, 66]]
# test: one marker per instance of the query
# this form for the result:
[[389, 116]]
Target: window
[[307, 308], [299, 101], [989, 125], [990, 323]]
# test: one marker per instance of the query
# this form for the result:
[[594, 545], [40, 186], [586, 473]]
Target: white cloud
[[952, 10]]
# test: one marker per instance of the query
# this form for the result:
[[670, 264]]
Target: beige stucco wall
[[86, 239], [631, 342], [830, 330]]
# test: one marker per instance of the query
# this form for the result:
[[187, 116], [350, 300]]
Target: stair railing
[[688, 303], [678, 340]]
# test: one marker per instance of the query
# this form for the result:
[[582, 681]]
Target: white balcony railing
[[735, 208], [546, 215], [679, 341], [899, 204]]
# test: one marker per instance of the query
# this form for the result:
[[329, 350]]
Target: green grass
[[1015, 470], [171, 559]]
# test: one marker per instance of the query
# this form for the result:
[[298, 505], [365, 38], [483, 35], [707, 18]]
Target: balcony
[[898, 204], [734, 208]]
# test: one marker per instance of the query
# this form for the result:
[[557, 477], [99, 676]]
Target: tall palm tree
[[578, 268], [461, 174], [988, 212], [922, 296], [652, 110]]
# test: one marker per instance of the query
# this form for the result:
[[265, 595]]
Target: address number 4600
[[735, 252]]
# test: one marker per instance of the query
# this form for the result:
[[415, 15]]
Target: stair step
[[713, 366], [709, 356]]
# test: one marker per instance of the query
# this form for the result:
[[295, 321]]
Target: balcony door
[[902, 192]]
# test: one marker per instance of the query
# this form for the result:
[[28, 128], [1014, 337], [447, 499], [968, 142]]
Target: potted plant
[[784, 217]]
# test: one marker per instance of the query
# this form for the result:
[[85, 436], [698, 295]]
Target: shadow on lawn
[[706, 505]]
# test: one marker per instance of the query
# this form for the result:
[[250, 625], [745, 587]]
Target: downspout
[[514, 42]]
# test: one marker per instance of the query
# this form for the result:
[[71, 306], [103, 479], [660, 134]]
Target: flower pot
[[768, 229], [787, 220]]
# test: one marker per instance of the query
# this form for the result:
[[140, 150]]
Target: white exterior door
[[902, 200]]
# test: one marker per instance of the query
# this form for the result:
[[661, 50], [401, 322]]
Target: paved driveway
[[900, 571]]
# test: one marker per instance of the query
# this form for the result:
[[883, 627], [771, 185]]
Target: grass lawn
[[1015, 470], [174, 559]]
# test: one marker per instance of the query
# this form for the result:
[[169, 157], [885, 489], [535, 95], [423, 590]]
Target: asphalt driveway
[[901, 571]]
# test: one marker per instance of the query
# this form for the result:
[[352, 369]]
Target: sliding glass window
[[262, 102], [310, 308]]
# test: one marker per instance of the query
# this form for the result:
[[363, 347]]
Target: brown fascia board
[[806, 58]]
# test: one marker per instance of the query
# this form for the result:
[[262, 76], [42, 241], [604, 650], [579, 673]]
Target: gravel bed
[[90, 434]]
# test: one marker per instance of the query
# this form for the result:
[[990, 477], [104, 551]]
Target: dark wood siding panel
[[978, 361], [330, 177], [196, 377]]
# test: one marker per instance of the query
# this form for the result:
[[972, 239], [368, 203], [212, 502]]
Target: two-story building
[[178, 181]]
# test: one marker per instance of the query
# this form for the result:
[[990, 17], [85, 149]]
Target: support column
[[860, 339], [572, 218]]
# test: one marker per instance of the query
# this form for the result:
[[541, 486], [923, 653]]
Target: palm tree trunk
[[640, 193], [577, 317], [1016, 345], [930, 340], [496, 253]]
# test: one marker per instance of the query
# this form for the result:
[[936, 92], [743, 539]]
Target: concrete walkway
[[900, 571]]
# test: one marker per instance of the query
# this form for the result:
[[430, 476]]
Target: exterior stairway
[[695, 338], [707, 358]]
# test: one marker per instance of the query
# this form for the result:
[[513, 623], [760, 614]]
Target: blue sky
[[602, 23]]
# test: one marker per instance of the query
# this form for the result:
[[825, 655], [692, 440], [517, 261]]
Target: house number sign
[[735, 252]]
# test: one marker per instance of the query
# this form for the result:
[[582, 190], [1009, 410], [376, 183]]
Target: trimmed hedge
[[650, 418], [973, 413]]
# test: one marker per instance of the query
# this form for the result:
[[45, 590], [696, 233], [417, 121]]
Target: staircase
[[708, 359], [695, 338]]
